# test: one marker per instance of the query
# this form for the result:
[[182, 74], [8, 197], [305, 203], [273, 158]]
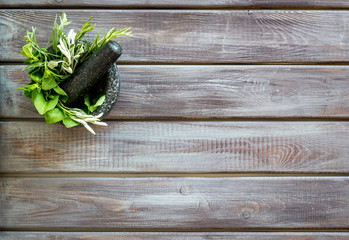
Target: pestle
[[92, 71]]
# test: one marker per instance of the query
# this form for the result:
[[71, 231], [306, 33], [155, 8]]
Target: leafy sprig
[[50, 66], [100, 42]]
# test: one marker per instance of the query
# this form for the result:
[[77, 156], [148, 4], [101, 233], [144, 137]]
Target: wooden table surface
[[232, 123]]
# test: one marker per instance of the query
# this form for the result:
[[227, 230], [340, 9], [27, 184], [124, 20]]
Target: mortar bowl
[[108, 85]]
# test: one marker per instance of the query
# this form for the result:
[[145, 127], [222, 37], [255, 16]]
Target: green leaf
[[36, 74], [28, 50], [29, 89], [32, 35], [34, 65], [97, 104], [49, 83], [61, 92], [54, 40], [28, 93], [68, 122], [85, 28], [52, 36], [54, 115], [55, 74], [32, 85], [87, 100], [39, 101], [63, 77], [51, 104], [36, 53], [28, 61]]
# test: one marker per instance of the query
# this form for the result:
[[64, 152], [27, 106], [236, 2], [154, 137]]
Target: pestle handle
[[90, 72]]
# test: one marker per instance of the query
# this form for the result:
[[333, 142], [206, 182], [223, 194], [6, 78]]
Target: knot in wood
[[246, 215], [183, 190]]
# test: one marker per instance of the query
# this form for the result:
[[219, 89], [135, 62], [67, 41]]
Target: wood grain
[[173, 235], [201, 36], [157, 92], [178, 203], [175, 4], [176, 147]]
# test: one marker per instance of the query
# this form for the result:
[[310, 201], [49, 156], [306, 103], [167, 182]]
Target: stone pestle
[[90, 73]]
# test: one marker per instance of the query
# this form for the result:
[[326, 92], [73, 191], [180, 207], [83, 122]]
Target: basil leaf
[[28, 93], [39, 101], [64, 98], [60, 91], [87, 100], [54, 115], [97, 104], [49, 83], [52, 103], [68, 122], [29, 89], [36, 74]]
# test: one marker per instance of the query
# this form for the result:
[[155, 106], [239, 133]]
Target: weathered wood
[[165, 147], [176, 203], [151, 91], [201, 35], [174, 235], [175, 4]]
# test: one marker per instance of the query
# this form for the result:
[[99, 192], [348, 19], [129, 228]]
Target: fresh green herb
[[50, 66], [97, 101]]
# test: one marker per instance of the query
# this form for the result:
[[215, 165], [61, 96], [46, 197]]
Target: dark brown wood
[[205, 36], [176, 203], [174, 235], [149, 91], [181, 147], [175, 4]]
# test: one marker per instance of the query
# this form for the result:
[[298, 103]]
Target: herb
[[91, 106], [50, 66]]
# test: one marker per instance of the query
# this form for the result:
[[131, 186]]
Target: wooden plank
[[205, 36], [150, 91], [176, 203], [176, 147], [175, 4], [174, 235]]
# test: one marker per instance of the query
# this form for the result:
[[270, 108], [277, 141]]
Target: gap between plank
[[172, 175], [199, 119], [15, 62], [161, 7], [173, 230]]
